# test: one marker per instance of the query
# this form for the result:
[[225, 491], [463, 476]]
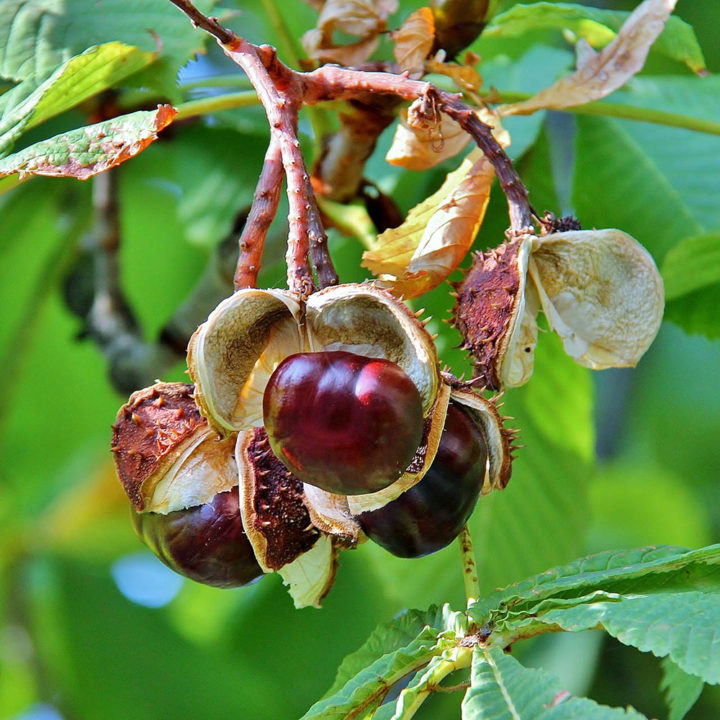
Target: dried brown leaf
[[437, 234], [600, 73], [362, 18], [414, 40], [422, 144], [422, 148]]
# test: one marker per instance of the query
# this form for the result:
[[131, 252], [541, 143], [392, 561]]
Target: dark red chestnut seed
[[346, 423], [206, 543], [431, 514]]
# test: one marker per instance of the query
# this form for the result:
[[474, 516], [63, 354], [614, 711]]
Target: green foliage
[[681, 689], [598, 27], [81, 77], [644, 159], [502, 689]]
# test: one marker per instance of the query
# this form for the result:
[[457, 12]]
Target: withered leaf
[[90, 150], [362, 18], [421, 142], [414, 40], [600, 73], [465, 76], [422, 148], [437, 234]]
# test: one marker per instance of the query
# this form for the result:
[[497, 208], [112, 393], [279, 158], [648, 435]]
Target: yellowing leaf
[[601, 293], [465, 76], [90, 150], [437, 234], [600, 73], [414, 40]]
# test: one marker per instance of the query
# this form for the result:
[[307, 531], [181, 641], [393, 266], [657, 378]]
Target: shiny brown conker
[[431, 514], [206, 543], [346, 423]]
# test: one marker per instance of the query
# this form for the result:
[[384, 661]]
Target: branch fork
[[282, 92]]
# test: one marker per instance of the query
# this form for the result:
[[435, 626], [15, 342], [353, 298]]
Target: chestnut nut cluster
[[311, 426]]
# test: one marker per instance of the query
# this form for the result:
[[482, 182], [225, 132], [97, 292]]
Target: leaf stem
[[306, 233], [215, 103], [469, 567], [620, 110], [262, 213]]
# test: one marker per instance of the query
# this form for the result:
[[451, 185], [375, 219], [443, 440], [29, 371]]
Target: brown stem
[[306, 234], [282, 90], [521, 213], [335, 83], [262, 213], [209, 24]]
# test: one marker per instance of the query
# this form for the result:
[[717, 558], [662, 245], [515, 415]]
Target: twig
[[262, 213], [134, 362], [342, 164], [209, 24], [470, 573], [282, 91], [521, 213], [305, 228]]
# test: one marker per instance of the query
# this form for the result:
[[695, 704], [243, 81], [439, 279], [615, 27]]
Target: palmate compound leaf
[[502, 689], [645, 571], [437, 234], [90, 150], [684, 626], [389, 637], [600, 73], [81, 77], [366, 689], [596, 25], [681, 689]]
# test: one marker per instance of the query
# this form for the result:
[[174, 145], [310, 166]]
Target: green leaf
[[502, 689], [680, 95], [81, 77], [696, 313], [412, 696], [683, 625], [90, 150], [692, 264], [367, 688], [45, 33], [624, 170], [389, 637], [597, 26], [643, 570], [681, 689]]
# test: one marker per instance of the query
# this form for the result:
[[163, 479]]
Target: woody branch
[[276, 82]]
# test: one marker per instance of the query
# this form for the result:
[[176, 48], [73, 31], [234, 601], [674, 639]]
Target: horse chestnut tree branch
[[318, 417]]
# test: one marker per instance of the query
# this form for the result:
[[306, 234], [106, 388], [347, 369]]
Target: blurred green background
[[92, 626]]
